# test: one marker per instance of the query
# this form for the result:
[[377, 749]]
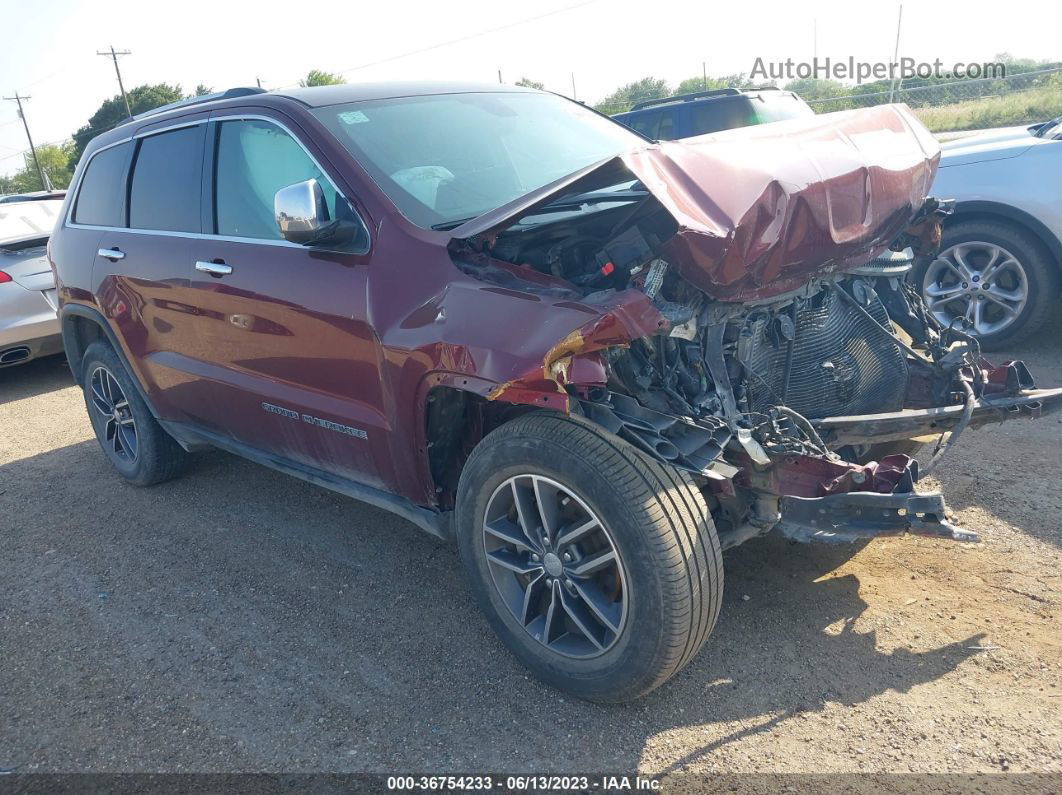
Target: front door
[[289, 362]]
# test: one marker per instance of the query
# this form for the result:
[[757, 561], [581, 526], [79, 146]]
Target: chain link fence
[[942, 105], [1019, 98]]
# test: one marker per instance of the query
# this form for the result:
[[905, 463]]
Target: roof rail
[[231, 93], [715, 92]]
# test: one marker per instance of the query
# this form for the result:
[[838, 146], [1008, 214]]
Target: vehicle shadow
[[279, 626], [34, 378], [787, 644]]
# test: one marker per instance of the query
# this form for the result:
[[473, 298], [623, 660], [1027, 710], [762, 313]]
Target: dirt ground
[[238, 619]]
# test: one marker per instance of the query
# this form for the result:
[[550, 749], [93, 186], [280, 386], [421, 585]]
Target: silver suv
[[1001, 257]]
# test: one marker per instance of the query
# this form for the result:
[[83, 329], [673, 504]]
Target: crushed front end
[[755, 325], [788, 411]]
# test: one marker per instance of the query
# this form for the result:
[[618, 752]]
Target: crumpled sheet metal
[[625, 316], [763, 209]]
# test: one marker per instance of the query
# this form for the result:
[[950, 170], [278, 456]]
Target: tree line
[[58, 161], [834, 94]]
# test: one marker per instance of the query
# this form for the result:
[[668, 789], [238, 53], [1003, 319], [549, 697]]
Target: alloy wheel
[[980, 282], [119, 427], [555, 566]]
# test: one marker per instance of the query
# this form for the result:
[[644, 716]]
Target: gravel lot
[[237, 619]]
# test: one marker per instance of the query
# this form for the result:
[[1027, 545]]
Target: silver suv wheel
[[981, 282]]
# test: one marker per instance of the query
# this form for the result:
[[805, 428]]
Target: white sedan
[[29, 326]]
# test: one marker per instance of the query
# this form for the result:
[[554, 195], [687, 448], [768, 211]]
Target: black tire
[[1039, 269], [152, 455], [657, 521]]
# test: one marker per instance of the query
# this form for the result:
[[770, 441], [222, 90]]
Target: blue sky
[[48, 48]]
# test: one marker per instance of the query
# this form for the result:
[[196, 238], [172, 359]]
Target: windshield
[[447, 157]]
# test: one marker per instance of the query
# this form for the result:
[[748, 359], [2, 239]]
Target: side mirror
[[302, 217], [301, 212]]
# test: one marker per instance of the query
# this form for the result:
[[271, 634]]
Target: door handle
[[216, 269], [113, 254]]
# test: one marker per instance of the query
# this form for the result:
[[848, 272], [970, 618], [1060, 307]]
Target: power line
[[22, 152], [114, 57], [22, 115], [468, 37], [896, 54], [78, 61]]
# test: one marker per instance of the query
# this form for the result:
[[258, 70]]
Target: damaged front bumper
[[866, 429], [845, 518], [811, 498]]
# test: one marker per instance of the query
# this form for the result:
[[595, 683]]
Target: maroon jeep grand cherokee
[[593, 360]]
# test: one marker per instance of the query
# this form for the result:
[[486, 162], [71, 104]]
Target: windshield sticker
[[353, 117]]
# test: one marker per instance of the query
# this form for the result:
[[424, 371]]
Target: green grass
[[1025, 107]]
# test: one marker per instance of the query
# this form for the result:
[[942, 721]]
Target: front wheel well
[[455, 420]]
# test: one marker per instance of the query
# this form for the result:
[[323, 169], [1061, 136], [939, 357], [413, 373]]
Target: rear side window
[[666, 130], [647, 124], [166, 185], [255, 159], [101, 199], [658, 125]]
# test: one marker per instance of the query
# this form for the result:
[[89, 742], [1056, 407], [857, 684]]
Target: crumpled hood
[[760, 210]]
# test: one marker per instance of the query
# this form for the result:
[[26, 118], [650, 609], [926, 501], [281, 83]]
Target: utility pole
[[896, 54], [33, 149], [573, 88], [499, 76], [704, 75], [114, 57]]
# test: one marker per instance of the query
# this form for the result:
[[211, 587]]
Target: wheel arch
[[455, 411], [83, 325]]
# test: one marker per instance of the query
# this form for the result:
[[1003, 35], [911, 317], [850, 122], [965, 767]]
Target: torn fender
[[761, 210], [625, 316]]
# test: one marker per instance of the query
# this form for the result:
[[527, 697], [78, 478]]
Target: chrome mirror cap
[[301, 211]]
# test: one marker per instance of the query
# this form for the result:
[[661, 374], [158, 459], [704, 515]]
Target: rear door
[[141, 269], [288, 359]]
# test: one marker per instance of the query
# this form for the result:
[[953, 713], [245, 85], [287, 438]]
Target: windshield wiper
[[594, 197], [570, 203], [446, 226], [562, 204]]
